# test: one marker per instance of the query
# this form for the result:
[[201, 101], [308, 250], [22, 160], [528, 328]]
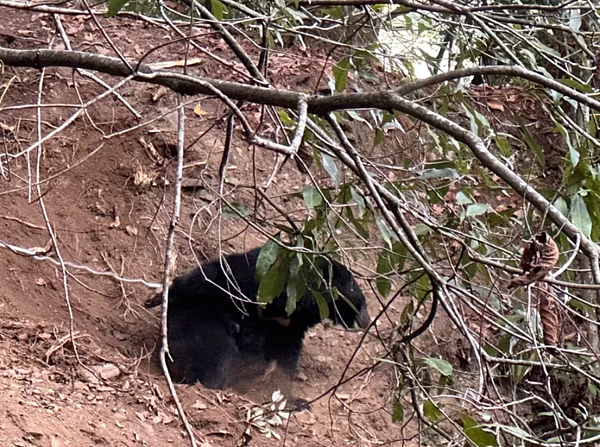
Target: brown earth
[[110, 211]]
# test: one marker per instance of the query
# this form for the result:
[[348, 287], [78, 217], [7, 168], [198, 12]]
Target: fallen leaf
[[198, 110], [495, 105]]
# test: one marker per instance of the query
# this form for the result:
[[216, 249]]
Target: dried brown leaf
[[548, 314], [495, 105], [539, 257], [198, 110], [548, 252]]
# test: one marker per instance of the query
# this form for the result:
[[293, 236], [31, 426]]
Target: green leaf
[[504, 146], [439, 173], [408, 22], [356, 117], [479, 122], [519, 372], [562, 206], [432, 412], [441, 366], [370, 77], [384, 230], [114, 6], [544, 48], [407, 313], [592, 200], [296, 286], [478, 209], [312, 196], [440, 164], [586, 309], [532, 144], [340, 74], [272, 284], [379, 136], [359, 227], [476, 434], [518, 432], [569, 82], [580, 215], [420, 229], [593, 389], [400, 252], [332, 169], [218, 9], [322, 304], [336, 12], [420, 285], [285, 118], [398, 412], [360, 201], [235, 210], [266, 258], [574, 155], [384, 267], [463, 199]]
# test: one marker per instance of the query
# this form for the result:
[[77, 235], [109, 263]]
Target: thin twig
[[164, 350]]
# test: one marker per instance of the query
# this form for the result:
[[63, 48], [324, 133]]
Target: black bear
[[213, 318]]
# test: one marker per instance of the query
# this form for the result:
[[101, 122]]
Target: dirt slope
[[109, 207]]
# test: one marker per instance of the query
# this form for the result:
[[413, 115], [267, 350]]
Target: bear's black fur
[[202, 347], [213, 318]]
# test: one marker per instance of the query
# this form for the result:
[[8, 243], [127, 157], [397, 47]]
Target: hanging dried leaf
[[548, 314], [538, 259], [548, 252]]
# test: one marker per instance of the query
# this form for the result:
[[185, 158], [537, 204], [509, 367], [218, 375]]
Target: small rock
[[86, 375], [306, 417], [107, 371]]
